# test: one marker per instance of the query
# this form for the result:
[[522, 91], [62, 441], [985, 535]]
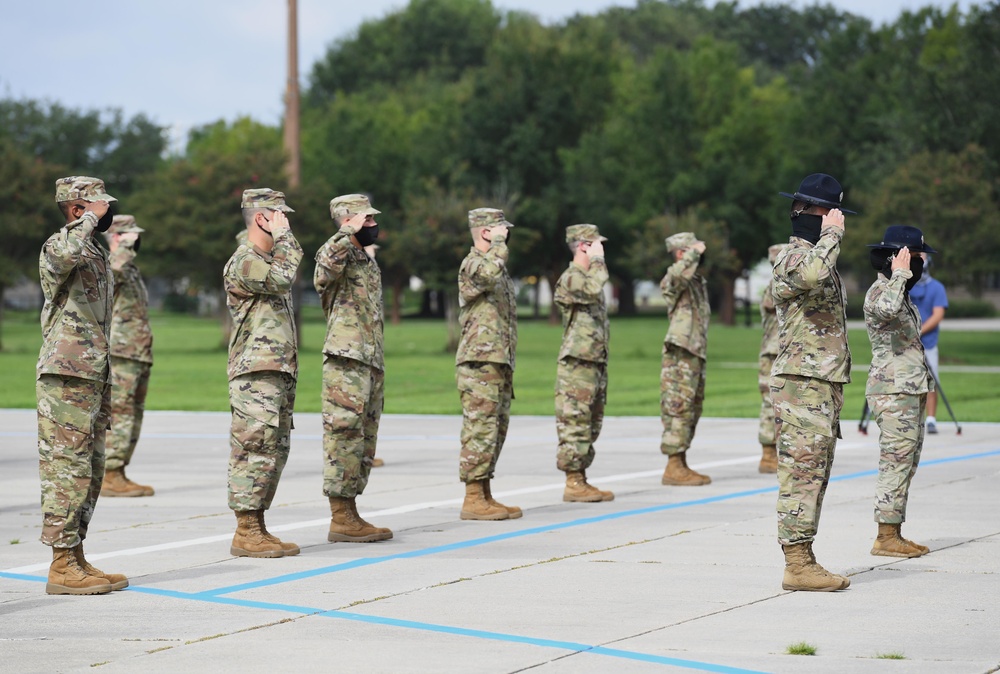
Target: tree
[[26, 189]]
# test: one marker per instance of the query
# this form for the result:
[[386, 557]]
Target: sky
[[185, 63]]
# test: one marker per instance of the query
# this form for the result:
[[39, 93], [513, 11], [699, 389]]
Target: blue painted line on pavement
[[455, 631], [475, 542]]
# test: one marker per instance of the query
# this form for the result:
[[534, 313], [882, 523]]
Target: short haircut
[[574, 246], [250, 213], [65, 207]]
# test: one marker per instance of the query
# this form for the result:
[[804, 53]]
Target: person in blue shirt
[[931, 299]]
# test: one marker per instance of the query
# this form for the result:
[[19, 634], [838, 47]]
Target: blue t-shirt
[[927, 294]]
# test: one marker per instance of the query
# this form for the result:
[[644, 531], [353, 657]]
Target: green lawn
[[190, 370]]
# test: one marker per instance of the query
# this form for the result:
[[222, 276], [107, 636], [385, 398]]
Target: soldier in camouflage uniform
[[809, 373], [263, 367], [131, 357], [682, 377], [582, 370], [485, 361], [768, 350], [72, 388], [898, 381], [350, 289]]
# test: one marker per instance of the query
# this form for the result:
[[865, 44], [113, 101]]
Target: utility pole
[[293, 168]]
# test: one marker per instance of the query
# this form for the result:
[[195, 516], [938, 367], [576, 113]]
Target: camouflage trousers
[[260, 436], [682, 394], [807, 420], [486, 390], [765, 430], [581, 393], [900, 419], [353, 398], [129, 384], [73, 417]]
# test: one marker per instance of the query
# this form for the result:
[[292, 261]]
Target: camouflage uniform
[[682, 377], [263, 359], [768, 351], [898, 383], [582, 370], [349, 284], [486, 353], [807, 379], [131, 349], [72, 387]]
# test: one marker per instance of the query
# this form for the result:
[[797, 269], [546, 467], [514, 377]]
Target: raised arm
[[482, 272], [269, 274]]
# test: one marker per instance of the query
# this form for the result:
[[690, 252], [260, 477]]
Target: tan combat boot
[[678, 474], [116, 484], [117, 580], [476, 507], [66, 576], [377, 462], [605, 494], [249, 540], [802, 572], [513, 512], [578, 490], [768, 459], [347, 526], [889, 543], [290, 549]]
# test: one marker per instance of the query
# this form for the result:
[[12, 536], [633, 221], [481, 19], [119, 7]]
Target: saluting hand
[[901, 260], [835, 219], [356, 222], [596, 249]]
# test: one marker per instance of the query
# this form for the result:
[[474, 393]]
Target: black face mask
[[135, 246], [366, 235], [881, 260], [917, 267], [104, 223], [807, 227]]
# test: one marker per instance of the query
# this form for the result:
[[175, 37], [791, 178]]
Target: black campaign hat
[[898, 236], [821, 190]]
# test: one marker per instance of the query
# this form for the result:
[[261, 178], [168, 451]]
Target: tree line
[[666, 116]]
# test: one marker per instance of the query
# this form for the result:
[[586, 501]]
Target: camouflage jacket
[[488, 312], [894, 330], [768, 323], [77, 285], [131, 336], [349, 284], [811, 303], [580, 298], [258, 292], [686, 294]]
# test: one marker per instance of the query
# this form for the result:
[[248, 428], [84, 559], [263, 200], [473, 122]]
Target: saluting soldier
[[682, 376], [898, 381], [73, 389], [582, 370], [263, 367], [485, 361], [809, 373], [131, 357], [768, 351], [349, 284]]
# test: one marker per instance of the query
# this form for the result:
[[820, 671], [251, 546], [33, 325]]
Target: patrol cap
[[487, 217], [82, 187], [680, 240], [576, 233], [123, 224], [772, 251], [265, 197], [351, 204]]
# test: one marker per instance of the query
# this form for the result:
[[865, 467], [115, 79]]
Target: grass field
[[190, 369]]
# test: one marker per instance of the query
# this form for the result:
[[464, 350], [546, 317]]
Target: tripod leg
[[940, 390]]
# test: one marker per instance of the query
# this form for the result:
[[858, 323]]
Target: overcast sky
[[191, 62]]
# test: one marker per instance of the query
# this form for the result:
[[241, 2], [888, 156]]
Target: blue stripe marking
[[454, 631], [21, 576], [475, 542]]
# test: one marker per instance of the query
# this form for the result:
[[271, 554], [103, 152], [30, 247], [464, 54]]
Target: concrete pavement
[[661, 579]]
